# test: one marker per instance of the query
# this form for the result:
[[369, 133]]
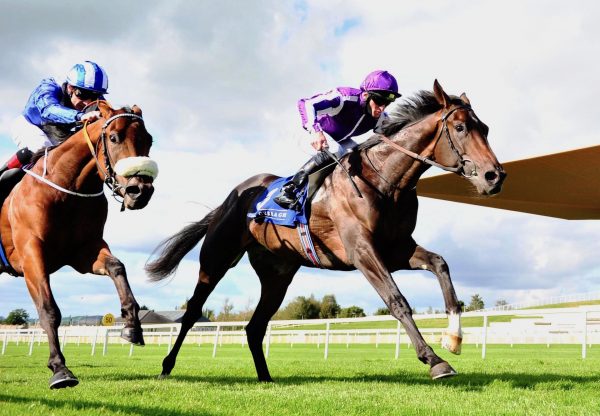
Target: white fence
[[547, 326], [577, 297]]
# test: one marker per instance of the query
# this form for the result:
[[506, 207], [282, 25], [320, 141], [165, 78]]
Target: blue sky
[[218, 84]]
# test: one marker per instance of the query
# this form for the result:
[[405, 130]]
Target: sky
[[218, 84]]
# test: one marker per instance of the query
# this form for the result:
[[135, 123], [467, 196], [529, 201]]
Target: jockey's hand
[[91, 116], [319, 141]]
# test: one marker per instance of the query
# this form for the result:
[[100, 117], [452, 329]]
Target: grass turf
[[360, 380]]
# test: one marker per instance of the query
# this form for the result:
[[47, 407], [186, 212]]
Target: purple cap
[[380, 81]]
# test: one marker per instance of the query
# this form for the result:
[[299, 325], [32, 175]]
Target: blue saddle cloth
[[265, 209]]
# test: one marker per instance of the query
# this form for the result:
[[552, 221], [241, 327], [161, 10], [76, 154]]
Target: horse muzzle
[[140, 172], [491, 181], [137, 192]]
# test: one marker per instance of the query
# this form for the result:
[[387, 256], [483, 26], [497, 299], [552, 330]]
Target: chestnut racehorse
[[371, 233], [55, 217]]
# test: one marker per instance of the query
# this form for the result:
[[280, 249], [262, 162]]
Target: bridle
[[461, 161], [110, 178]]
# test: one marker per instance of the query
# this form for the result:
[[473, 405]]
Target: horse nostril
[[491, 176], [133, 191]]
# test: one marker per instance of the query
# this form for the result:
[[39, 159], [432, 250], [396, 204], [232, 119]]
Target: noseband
[[461, 161]]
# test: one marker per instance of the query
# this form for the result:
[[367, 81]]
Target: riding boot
[[18, 160], [288, 198]]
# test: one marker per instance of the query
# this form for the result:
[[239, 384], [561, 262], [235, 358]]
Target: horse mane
[[41, 152], [412, 109], [62, 133]]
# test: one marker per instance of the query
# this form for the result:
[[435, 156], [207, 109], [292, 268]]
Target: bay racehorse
[[370, 232], [55, 217]]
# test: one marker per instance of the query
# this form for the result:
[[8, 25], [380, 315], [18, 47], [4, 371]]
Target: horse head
[[126, 144], [462, 143]]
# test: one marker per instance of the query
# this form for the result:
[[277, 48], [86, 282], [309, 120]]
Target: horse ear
[[136, 110], [106, 110], [464, 99], [440, 94]]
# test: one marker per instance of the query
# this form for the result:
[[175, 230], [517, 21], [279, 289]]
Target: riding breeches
[[27, 135]]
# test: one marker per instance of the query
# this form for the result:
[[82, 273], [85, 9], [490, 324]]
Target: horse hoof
[[133, 335], [163, 376], [452, 343], [63, 379], [442, 370]]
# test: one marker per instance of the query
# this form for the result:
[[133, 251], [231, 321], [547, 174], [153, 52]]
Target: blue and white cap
[[89, 76]]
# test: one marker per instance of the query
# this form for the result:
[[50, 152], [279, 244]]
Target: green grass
[[360, 380], [567, 304]]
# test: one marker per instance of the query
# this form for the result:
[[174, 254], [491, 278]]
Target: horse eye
[[459, 128], [114, 137]]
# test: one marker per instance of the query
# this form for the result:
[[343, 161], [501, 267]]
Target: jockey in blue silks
[[51, 104], [342, 113]]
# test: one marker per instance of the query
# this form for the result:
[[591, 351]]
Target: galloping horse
[[370, 232], [55, 217]]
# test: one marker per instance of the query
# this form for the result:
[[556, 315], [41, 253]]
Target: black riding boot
[[288, 198], [18, 160]]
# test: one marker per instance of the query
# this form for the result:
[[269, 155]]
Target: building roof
[[562, 185], [161, 317]]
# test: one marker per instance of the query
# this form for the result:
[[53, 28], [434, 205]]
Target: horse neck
[[72, 165], [400, 170]]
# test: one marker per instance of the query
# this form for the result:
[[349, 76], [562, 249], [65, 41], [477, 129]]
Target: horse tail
[[177, 246]]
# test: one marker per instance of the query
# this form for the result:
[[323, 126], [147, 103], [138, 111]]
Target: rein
[[461, 160]]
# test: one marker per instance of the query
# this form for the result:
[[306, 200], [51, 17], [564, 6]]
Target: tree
[[301, 307], [225, 314], [501, 302], [17, 317], [329, 307], [184, 304], [476, 303], [382, 311], [208, 314], [144, 308], [352, 312]]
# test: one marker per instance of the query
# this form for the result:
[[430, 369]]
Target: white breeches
[[25, 134]]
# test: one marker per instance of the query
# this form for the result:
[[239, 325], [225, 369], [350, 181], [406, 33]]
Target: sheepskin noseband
[[136, 166]]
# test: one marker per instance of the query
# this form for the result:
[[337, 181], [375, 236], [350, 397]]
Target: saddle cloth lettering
[[265, 209]]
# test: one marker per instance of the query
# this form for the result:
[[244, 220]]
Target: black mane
[[412, 109]]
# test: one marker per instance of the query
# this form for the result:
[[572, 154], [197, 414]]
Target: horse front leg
[[108, 265], [368, 261], [427, 260], [38, 284]]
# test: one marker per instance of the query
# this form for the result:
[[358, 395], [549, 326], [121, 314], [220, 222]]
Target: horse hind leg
[[275, 276], [193, 312]]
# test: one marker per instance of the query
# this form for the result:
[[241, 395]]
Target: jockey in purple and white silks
[[342, 113], [52, 104]]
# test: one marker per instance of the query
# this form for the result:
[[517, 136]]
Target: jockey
[[51, 104], [342, 113]]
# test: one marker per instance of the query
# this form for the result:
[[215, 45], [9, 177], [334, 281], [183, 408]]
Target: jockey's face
[[80, 98], [375, 107]]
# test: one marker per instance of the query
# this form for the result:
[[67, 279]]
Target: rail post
[[484, 341], [216, 341], [327, 332], [398, 328]]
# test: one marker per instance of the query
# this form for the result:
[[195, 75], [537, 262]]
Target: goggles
[[383, 97], [86, 94]]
